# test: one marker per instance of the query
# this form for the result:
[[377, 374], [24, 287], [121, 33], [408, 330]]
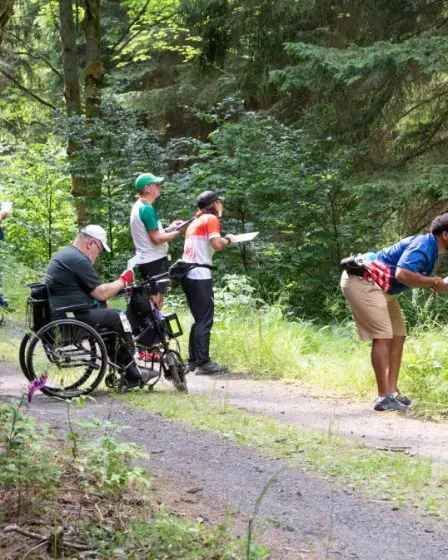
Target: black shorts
[[153, 268]]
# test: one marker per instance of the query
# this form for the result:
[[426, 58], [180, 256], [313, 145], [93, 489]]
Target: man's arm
[[103, 292], [159, 237], [417, 280]]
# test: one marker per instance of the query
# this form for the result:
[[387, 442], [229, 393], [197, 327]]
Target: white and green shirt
[[144, 218]]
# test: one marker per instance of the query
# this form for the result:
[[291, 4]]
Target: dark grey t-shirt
[[70, 277]]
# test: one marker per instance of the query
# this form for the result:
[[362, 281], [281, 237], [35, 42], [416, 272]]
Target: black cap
[[207, 198]]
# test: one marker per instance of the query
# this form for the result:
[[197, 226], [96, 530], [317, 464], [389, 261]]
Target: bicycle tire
[[67, 344]]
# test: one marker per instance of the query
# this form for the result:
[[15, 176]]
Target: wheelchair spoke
[[71, 354]]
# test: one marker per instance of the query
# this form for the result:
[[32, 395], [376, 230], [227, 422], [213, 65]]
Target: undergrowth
[[87, 491]]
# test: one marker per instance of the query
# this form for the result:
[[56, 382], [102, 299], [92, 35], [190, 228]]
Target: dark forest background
[[325, 125]]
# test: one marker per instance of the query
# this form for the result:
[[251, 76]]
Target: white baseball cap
[[97, 232]]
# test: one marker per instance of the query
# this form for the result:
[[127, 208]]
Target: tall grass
[[265, 345]]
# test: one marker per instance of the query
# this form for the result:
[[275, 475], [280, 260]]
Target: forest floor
[[303, 514]]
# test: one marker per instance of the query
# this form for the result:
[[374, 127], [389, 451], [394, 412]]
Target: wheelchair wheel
[[22, 355], [175, 370], [73, 356]]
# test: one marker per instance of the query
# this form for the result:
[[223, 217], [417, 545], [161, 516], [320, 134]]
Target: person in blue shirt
[[371, 293]]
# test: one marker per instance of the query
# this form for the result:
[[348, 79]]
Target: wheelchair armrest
[[76, 307]]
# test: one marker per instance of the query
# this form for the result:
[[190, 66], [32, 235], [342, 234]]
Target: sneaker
[[223, 369], [149, 356], [4, 302], [209, 368], [403, 399], [191, 366], [387, 403]]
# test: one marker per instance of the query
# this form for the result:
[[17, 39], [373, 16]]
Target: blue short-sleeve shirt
[[417, 253]]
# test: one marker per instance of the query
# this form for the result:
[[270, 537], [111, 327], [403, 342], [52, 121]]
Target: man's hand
[[439, 285], [127, 277]]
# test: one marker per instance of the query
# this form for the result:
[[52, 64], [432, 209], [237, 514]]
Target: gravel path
[[344, 417], [312, 517]]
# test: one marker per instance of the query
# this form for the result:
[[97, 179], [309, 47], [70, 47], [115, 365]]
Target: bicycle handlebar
[[150, 283]]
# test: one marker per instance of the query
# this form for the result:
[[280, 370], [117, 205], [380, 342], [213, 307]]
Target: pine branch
[[26, 90]]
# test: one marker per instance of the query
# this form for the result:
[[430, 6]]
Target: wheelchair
[[75, 357]]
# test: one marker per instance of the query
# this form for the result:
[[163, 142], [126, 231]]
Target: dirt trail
[[344, 417], [303, 516]]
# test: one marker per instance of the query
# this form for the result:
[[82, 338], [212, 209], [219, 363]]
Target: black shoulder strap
[[197, 265]]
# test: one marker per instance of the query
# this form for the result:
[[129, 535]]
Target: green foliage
[[25, 461], [278, 182], [323, 122], [170, 537], [43, 216], [110, 465]]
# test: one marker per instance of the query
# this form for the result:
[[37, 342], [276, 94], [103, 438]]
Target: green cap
[[146, 179]]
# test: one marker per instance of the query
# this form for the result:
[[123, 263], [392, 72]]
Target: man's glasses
[[99, 246]]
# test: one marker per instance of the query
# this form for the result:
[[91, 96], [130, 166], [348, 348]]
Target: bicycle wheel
[[22, 356], [73, 356], [176, 369]]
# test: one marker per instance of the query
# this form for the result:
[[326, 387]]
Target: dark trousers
[[199, 295], [119, 348]]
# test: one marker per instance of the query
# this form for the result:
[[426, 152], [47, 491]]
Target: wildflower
[[36, 385]]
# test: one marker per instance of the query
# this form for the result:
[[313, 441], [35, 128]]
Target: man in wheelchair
[[73, 283]]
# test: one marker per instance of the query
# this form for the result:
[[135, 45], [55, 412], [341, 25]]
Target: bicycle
[[74, 356]]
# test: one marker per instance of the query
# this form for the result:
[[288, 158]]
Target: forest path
[[341, 416], [302, 515]]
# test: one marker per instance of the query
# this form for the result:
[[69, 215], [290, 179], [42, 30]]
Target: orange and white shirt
[[197, 248]]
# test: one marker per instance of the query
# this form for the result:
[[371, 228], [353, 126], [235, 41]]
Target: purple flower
[[36, 385]]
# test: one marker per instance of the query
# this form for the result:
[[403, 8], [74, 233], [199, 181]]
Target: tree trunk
[[93, 79], [71, 94], [6, 10], [69, 58], [94, 71]]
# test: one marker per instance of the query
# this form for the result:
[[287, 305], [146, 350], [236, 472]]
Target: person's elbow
[[156, 237], [217, 243], [99, 293], [402, 275]]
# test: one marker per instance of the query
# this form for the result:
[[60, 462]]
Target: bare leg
[[381, 349], [396, 352], [158, 299]]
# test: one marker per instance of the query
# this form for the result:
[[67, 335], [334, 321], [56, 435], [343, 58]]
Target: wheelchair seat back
[[38, 306]]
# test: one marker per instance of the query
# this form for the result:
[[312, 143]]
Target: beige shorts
[[376, 314]]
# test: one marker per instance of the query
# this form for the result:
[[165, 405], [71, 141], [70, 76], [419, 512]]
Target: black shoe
[[210, 368], [386, 403], [133, 376], [403, 399]]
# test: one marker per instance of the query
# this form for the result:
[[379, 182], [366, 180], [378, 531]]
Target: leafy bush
[[26, 461]]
